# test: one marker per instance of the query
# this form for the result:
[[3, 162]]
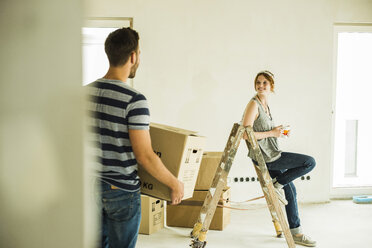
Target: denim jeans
[[121, 217], [286, 169]]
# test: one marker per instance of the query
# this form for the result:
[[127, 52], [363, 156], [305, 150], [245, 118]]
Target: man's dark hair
[[120, 44]]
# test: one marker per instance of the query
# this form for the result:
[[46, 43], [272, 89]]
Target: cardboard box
[[187, 212], [207, 171], [152, 211], [181, 151]]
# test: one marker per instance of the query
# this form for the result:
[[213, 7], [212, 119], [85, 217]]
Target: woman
[[284, 167]]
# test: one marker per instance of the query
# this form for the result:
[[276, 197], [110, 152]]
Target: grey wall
[[199, 59], [41, 130]]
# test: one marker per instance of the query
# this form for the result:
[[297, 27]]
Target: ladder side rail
[[215, 192], [261, 171], [219, 181], [269, 185], [269, 201]]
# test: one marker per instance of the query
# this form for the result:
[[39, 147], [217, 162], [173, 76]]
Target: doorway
[[94, 33], [94, 66]]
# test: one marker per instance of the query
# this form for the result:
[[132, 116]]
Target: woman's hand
[[277, 131]]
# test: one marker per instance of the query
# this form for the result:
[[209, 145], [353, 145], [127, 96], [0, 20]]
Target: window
[[352, 166]]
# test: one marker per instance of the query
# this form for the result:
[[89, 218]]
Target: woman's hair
[[268, 75]]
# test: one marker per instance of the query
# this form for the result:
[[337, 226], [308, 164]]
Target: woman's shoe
[[303, 240]]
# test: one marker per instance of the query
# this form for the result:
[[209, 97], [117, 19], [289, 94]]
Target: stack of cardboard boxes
[[187, 212], [181, 152]]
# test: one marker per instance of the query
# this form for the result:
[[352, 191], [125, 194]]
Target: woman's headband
[[267, 73]]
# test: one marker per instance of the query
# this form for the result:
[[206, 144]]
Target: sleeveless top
[[269, 146]]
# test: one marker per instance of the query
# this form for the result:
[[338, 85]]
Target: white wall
[[199, 59], [41, 108]]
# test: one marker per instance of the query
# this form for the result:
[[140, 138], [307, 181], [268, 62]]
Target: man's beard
[[133, 71]]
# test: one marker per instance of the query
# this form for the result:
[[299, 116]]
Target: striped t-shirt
[[114, 108]]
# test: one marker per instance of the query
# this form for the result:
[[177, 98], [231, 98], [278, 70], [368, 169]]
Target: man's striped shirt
[[114, 108]]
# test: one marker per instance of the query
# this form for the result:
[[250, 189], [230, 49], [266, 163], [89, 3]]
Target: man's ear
[[133, 58]]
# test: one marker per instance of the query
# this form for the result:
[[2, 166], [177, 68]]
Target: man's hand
[[177, 193]]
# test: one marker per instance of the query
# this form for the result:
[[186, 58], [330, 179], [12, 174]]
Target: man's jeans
[[121, 217], [286, 169]]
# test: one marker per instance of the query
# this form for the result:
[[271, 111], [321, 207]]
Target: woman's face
[[262, 85]]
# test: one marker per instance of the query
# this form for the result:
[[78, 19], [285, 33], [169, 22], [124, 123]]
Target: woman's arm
[[250, 115]]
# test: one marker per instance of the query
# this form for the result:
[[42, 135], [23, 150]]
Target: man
[[120, 125]]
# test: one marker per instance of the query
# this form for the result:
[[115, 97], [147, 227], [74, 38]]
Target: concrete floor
[[340, 224]]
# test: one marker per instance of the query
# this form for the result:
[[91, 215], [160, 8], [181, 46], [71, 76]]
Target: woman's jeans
[[286, 169], [121, 217]]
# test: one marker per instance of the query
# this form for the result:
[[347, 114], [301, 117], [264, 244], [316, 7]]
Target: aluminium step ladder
[[199, 232]]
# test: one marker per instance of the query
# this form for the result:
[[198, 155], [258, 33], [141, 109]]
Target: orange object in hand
[[285, 131]]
